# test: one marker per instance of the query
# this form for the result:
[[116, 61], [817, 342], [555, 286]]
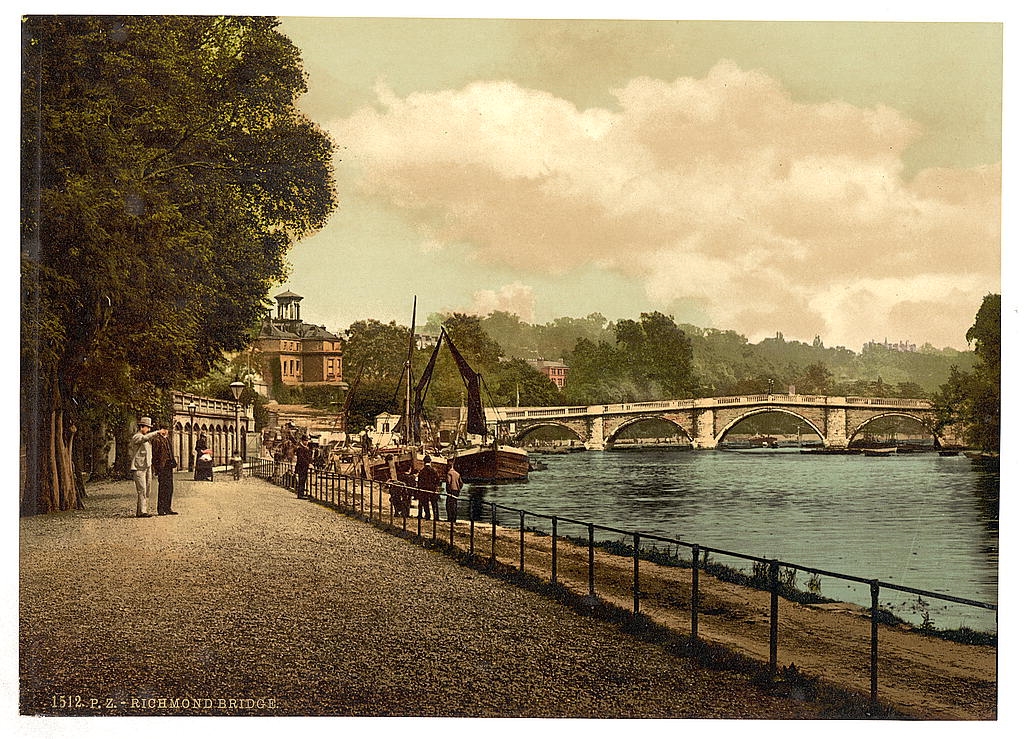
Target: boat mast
[[408, 376]]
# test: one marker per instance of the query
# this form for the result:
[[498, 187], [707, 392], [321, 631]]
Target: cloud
[[515, 298], [722, 192]]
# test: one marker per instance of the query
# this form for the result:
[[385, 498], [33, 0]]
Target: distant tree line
[[654, 357], [629, 360]]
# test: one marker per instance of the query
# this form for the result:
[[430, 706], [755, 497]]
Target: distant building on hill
[[555, 371], [902, 346], [426, 341], [298, 353]]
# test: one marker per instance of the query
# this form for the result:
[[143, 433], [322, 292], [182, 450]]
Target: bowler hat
[[146, 421]]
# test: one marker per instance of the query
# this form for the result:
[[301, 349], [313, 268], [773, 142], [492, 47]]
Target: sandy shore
[[252, 602]]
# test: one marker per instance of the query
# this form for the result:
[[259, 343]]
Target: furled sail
[[421, 391], [476, 423]]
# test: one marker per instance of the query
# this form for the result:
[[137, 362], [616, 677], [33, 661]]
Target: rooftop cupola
[[288, 306]]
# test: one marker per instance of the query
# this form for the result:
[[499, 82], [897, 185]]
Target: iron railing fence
[[366, 499]]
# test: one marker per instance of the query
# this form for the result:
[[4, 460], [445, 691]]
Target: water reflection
[[920, 520]]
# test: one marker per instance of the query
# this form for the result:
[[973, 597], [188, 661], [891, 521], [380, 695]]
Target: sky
[[832, 179]]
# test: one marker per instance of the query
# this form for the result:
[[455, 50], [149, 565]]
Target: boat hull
[[489, 463]]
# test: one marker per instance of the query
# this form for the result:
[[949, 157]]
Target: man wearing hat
[[303, 456], [163, 466], [427, 483], [140, 452]]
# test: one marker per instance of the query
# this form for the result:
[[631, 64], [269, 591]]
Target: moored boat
[[880, 452], [491, 463], [477, 458]]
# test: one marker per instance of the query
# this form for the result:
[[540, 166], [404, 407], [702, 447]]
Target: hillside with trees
[[629, 360]]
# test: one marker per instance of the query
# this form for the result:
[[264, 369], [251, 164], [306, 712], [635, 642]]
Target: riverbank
[[826, 645], [252, 602]]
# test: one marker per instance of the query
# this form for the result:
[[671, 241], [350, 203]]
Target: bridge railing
[[571, 564], [917, 403], [516, 414]]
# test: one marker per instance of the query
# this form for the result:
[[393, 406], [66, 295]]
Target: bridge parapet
[[706, 420], [647, 406], [915, 403]]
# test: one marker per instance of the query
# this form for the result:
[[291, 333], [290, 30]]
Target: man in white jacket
[[140, 452]]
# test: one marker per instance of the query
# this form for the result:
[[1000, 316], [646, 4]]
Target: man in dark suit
[[427, 482], [164, 465], [303, 456]]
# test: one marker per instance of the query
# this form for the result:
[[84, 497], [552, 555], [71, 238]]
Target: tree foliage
[[970, 401], [651, 358], [165, 172], [375, 350]]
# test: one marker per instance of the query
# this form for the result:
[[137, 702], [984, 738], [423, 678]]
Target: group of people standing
[[426, 486], [151, 456]]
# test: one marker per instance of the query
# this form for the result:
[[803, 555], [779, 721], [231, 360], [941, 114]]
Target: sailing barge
[[480, 460], [475, 457]]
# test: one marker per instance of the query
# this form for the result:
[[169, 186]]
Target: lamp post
[[236, 390], [191, 430], [771, 385]]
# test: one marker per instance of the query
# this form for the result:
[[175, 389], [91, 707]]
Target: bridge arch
[[768, 409], [522, 432], [896, 414], [614, 432]]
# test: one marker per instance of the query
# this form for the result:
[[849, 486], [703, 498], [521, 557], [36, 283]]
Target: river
[[916, 520]]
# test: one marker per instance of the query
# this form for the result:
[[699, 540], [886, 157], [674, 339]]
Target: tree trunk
[[52, 482]]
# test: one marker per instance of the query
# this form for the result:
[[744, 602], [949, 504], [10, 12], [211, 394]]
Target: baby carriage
[[204, 466]]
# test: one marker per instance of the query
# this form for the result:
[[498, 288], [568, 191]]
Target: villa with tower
[[296, 352]]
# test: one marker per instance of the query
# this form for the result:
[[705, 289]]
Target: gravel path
[[252, 602]]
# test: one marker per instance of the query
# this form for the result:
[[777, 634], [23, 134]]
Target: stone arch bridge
[[705, 421]]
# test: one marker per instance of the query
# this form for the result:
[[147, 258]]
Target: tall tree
[[518, 383], [659, 355], [165, 172], [473, 342], [376, 349], [970, 401]]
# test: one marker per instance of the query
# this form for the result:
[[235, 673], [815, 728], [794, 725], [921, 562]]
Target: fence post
[[773, 631], [554, 549], [636, 573], [874, 642], [472, 531], [590, 559], [522, 541], [494, 532], [694, 590], [362, 498]]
